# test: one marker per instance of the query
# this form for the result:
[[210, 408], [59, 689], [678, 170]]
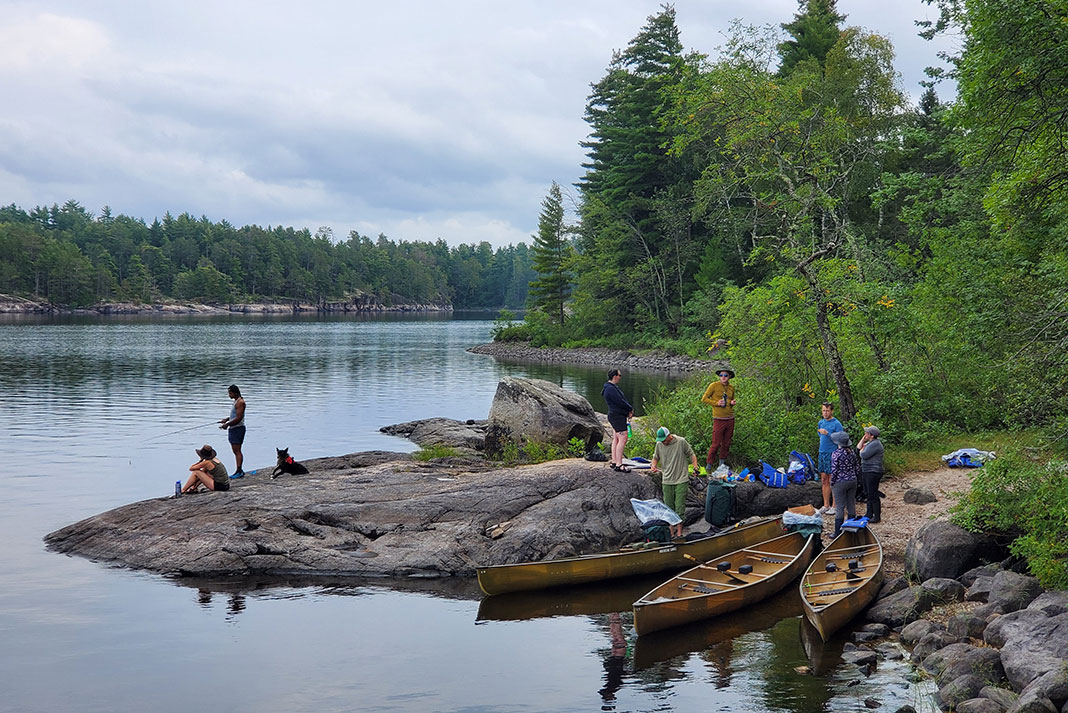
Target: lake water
[[96, 413]]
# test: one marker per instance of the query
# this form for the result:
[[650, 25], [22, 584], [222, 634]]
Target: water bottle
[[629, 434], [177, 488]]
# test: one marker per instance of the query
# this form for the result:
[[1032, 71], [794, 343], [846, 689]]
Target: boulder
[[919, 496], [756, 499], [1052, 685], [1033, 650], [979, 705], [1032, 703], [942, 590], [1016, 624], [966, 626], [918, 629], [879, 630], [941, 549], [1010, 591], [957, 691], [958, 659], [1002, 696], [892, 586], [397, 519], [535, 410], [904, 607], [979, 591], [470, 435], [986, 570], [930, 643], [1051, 603]]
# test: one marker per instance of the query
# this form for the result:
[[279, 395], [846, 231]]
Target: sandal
[[623, 468], [613, 466]]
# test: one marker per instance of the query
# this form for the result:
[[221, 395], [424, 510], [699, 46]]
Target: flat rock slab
[[370, 515]]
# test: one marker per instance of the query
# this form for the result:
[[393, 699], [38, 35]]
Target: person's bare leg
[[196, 478], [825, 485], [619, 439], [236, 447]]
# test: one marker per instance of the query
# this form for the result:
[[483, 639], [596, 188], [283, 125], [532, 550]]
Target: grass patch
[[432, 452]]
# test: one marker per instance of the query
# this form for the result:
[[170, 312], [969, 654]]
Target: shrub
[[1015, 496]]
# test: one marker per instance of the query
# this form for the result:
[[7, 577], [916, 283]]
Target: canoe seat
[[832, 592]]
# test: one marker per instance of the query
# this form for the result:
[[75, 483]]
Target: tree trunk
[[834, 358]]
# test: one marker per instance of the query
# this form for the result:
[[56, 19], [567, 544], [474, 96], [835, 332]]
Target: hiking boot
[[237, 474]]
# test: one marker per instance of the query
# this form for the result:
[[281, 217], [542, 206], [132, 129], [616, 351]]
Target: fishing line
[[181, 430]]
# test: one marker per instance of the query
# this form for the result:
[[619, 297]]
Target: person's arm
[[707, 398], [239, 407], [199, 465]]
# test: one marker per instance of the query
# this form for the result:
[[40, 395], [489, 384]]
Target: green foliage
[[66, 256], [437, 451], [1018, 497], [505, 329], [551, 258], [814, 31]]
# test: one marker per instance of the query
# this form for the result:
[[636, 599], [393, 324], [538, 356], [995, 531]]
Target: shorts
[[618, 421], [236, 435], [825, 461], [224, 485]]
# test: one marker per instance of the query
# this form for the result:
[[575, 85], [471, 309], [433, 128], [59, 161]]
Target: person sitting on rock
[[208, 471]]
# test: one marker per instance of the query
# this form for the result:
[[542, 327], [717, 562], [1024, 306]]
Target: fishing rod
[[181, 430]]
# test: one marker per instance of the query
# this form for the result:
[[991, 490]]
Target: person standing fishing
[[235, 428]]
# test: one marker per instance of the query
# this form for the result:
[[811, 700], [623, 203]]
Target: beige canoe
[[524, 576], [724, 584], [832, 598]]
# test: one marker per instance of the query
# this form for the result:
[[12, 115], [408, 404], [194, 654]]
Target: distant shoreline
[[597, 356], [15, 306]]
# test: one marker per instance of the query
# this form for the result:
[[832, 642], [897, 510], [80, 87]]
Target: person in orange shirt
[[720, 395]]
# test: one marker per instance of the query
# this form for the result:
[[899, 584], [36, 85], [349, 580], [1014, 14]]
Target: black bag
[[656, 531], [596, 454]]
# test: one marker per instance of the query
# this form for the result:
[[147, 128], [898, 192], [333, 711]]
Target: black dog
[[286, 464]]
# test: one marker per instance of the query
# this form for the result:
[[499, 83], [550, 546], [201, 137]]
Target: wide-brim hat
[[841, 438], [206, 452], [873, 430], [725, 369]]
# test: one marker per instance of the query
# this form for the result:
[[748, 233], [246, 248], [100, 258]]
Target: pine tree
[[815, 31], [551, 258]]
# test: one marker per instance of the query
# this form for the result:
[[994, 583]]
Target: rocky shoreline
[[523, 352], [359, 304]]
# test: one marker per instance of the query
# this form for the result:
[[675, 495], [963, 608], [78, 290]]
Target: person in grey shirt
[[871, 470]]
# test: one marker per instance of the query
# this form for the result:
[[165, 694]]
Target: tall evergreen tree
[[551, 258], [814, 31]]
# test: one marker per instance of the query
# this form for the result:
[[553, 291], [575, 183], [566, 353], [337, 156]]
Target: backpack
[[800, 467], [656, 531], [596, 454], [719, 503], [772, 477]]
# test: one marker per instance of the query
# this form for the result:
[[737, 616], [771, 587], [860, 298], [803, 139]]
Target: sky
[[416, 119]]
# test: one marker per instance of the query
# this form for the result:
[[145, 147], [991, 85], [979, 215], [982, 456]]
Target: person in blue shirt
[[827, 426]]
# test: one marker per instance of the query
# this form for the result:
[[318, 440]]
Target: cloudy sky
[[417, 119]]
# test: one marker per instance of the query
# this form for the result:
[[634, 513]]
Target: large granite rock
[[469, 435], [399, 518], [942, 549], [755, 498], [526, 410], [1010, 591], [1033, 648]]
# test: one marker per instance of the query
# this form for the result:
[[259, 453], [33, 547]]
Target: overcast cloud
[[419, 120]]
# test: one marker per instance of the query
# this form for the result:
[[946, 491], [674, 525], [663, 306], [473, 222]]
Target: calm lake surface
[[89, 408]]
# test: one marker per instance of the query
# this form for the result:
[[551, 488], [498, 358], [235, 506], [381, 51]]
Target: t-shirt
[[714, 395], [833, 425], [673, 458]]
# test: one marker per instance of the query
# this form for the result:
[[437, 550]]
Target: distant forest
[[66, 255]]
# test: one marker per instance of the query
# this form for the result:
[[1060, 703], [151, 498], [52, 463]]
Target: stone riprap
[[523, 353], [357, 516]]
